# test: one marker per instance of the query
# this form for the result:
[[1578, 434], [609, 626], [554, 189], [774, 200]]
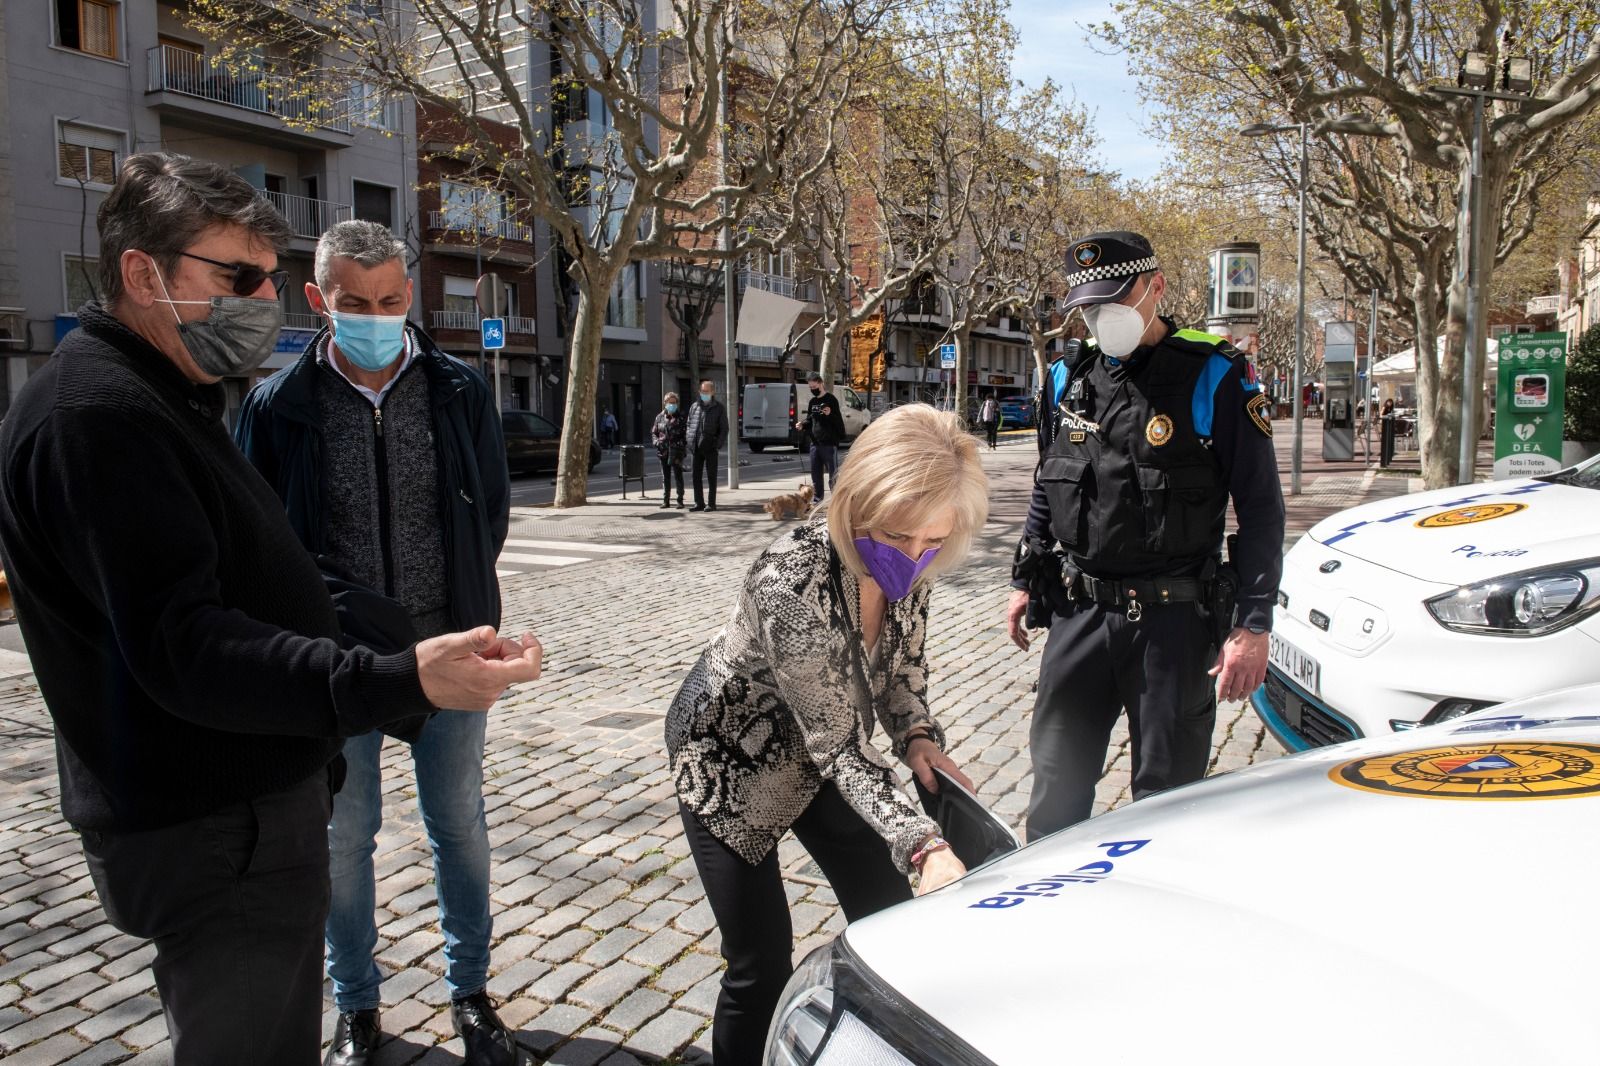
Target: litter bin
[[630, 467]]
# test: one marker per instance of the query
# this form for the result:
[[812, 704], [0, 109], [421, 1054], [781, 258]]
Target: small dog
[[799, 502]]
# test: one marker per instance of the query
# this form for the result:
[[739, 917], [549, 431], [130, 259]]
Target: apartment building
[[1578, 301], [90, 81]]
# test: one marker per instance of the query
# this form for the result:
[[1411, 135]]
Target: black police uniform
[[1134, 488]]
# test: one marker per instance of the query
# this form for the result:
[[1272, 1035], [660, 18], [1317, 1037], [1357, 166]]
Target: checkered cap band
[[1117, 270]]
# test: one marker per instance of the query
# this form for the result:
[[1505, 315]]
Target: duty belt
[[1134, 592]]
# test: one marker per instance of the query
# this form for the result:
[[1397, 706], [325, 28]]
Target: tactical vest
[[1133, 489]]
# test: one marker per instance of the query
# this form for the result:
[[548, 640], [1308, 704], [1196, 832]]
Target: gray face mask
[[237, 336]]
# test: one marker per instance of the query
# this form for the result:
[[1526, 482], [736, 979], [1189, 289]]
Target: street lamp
[[1476, 79], [1263, 129]]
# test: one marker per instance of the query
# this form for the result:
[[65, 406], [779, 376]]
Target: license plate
[[1295, 664]]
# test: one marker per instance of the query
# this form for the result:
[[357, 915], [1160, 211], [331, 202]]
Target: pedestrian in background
[[388, 455], [823, 424], [705, 433], [1158, 428], [989, 415], [772, 728], [670, 435], [608, 428], [183, 639]]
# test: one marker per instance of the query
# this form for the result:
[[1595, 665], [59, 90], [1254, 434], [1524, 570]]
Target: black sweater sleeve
[[139, 545], [1250, 465]]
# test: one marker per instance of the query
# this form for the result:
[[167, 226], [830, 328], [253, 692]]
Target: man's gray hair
[[368, 243], [162, 202]]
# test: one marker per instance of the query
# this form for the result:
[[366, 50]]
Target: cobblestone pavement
[[605, 950]]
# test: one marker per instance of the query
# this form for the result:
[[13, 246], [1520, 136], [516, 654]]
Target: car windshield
[[1585, 475]]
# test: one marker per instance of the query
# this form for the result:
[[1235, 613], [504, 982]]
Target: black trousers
[[705, 462], [1097, 663], [992, 431], [235, 903], [668, 472], [752, 912], [824, 460]]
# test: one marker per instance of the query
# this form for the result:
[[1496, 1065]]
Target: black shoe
[[488, 1041], [712, 507], [665, 503], [680, 505], [698, 507], [354, 1039]]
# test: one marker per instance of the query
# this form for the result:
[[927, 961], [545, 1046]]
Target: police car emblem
[[1158, 431], [1514, 771], [1466, 516], [1087, 255]]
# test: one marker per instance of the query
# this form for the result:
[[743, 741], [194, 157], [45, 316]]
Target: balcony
[[212, 96], [782, 285], [504, 229], [468, 321], [307, 217]]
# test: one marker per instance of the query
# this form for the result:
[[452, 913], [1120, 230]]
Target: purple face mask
[[891, 568]]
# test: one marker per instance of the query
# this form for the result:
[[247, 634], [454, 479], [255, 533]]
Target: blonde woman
[[772, 729]]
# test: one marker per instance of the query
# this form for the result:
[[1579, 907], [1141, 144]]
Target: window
[[88, 26], [80, 280], [374, 203], [371, 106], [459, 296], [86, 154], [468, 207]]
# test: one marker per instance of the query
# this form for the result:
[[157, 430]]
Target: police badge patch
[[1258, 408], [1158, 431]]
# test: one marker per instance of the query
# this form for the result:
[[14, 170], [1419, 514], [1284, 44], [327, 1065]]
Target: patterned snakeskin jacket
[[777, 704]]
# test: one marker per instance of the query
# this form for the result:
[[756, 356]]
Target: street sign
[[490, 294], [494, 333], [1530, 404], [947, 356]]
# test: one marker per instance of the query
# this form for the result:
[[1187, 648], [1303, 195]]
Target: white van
[[768, 412]]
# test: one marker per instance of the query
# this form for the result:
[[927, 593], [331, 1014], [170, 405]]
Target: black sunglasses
[[247, 277]]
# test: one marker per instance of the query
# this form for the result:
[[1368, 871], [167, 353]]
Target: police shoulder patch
[[1259, 409]]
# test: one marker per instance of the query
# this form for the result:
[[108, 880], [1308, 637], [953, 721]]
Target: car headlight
[[1522, 605], [836, 1012]]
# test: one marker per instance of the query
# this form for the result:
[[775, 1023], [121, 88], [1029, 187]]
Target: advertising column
[[1530, 404]]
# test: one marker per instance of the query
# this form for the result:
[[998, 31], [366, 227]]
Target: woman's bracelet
[[931, 845]]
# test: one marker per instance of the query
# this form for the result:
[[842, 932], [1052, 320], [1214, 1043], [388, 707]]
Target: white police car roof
[[1421, 896]]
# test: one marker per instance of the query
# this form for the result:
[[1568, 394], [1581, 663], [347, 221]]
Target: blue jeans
[[449, 762]]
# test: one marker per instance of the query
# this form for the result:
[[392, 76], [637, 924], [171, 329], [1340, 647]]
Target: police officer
[[1155, 428]]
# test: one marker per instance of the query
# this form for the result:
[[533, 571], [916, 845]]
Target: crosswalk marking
[[524, 555], [542, 560], [571, 545]]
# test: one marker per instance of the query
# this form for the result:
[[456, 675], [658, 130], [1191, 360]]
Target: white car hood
[[1460, 535], [1276, 915]]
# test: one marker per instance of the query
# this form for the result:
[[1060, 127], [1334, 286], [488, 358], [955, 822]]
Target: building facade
[[106, 78]]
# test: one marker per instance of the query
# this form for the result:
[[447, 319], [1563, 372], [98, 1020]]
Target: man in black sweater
[[825, 426], [183, 640]]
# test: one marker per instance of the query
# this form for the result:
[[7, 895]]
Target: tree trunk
[[958, 387], [827, 360], [572, 469]]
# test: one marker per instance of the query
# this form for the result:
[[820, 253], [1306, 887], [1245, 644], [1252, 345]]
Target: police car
[[1416, 610], [1406, 898]]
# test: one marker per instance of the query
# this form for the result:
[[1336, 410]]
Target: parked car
[[1371, 901], [1016, 412], [1417, 609], [768, 412], [533, 442]]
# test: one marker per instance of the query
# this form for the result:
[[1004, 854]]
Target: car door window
[[540, 426], [851, 398], [514, 425]]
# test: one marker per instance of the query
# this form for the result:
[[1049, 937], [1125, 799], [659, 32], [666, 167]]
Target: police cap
[[1101, 267]]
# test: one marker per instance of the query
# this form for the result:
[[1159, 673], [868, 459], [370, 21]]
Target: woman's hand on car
[[922, 755]]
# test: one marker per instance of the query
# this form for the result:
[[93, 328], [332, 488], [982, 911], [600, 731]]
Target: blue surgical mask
[[672, 408], [705, 397], [371, 342]]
